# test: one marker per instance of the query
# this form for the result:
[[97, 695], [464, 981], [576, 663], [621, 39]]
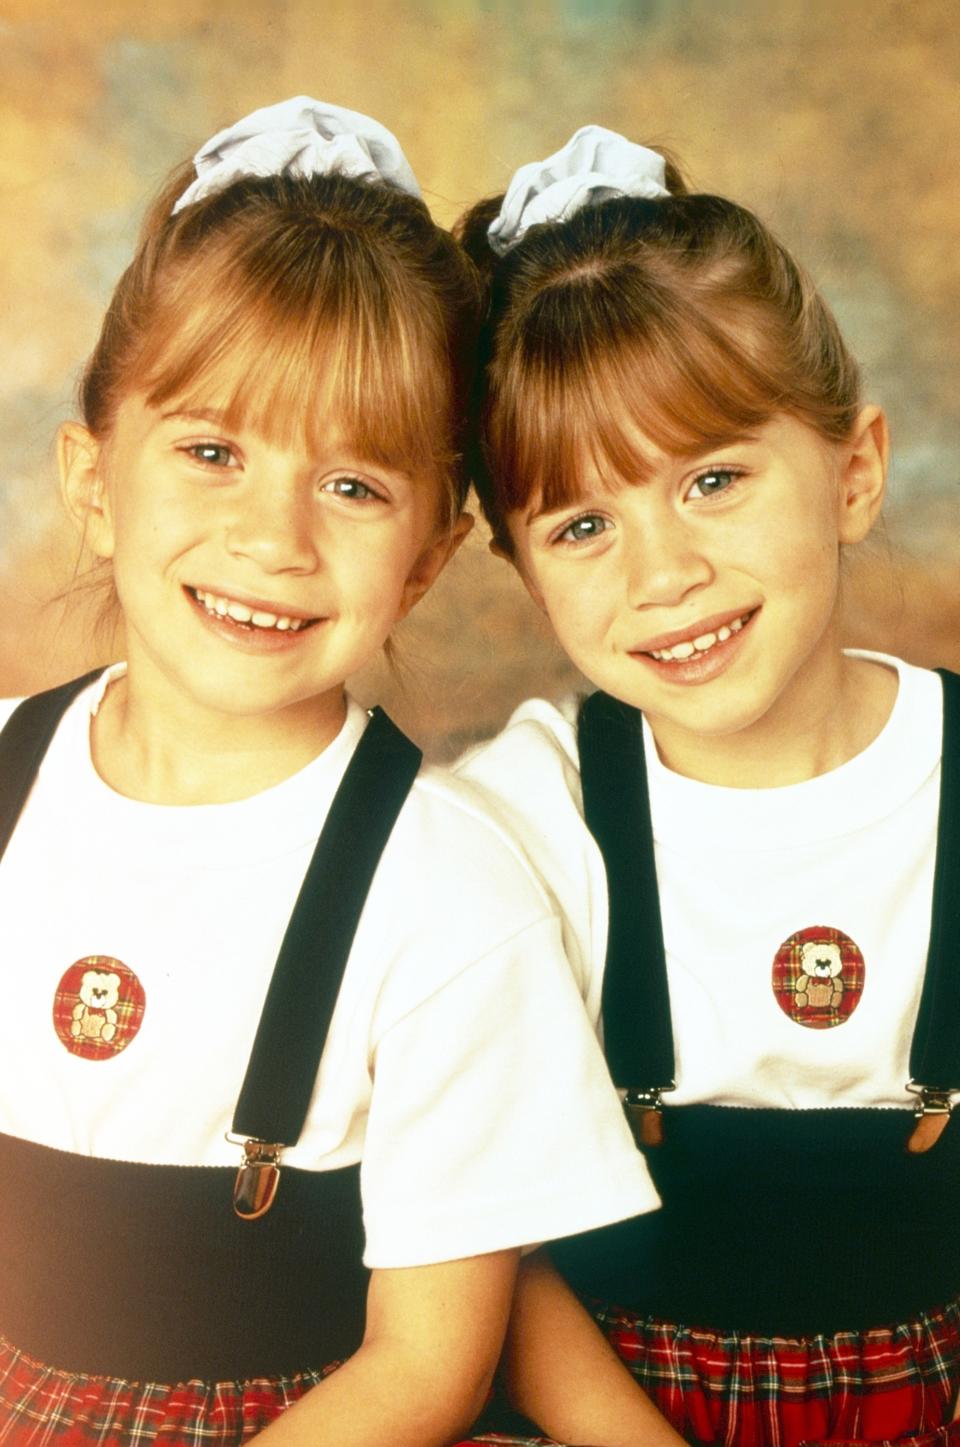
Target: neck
[[182, 754], [816, 725]]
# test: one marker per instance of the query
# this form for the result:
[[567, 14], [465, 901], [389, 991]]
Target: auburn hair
[[681, 322], [306, 299]]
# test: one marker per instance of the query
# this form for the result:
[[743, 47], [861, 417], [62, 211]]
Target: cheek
[[578, 609]]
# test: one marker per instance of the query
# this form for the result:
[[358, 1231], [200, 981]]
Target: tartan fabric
[[98, 1032], [43, 1407], [895, 1384], [815, 1002]]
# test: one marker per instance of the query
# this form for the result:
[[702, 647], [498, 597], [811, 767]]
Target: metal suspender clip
[[257, 1180], [644, 1112], [932, 1110]]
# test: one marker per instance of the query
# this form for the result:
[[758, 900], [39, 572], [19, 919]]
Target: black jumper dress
[[736, 1181], [217, 1275]]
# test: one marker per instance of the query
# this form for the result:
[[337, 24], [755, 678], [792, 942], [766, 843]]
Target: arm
[[423, 1371], [562, 1374]]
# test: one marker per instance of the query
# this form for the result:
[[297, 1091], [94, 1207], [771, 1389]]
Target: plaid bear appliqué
[[98, 1007], [818, 976]]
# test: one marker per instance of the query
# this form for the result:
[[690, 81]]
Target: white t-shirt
[[458, 1067], [796, 919]]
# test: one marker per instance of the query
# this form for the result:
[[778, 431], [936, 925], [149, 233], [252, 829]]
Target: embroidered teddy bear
[[95, 1016], [820, 986]]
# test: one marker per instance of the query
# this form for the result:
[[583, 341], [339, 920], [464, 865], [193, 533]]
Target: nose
[[665, 560], [274, 525]]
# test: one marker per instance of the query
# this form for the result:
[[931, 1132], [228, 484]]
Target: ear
[[80, 459], [432, 561], [863, 475]]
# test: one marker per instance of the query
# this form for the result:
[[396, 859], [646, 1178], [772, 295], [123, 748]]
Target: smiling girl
[[753, 834], [260, 1103]]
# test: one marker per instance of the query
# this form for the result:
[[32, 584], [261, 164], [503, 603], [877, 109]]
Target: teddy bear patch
[[98, 1007], [818, 976]]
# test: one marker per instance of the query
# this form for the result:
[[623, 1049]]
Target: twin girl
[[308, 1048]]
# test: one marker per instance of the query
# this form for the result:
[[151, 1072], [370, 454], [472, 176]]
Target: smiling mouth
[[219, 606], [703, 643]]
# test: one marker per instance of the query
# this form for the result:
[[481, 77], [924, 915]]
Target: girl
[[674, 453], [242, 1071]]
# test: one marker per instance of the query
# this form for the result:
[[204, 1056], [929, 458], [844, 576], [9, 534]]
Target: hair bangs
[[582, 400], [296, 362]]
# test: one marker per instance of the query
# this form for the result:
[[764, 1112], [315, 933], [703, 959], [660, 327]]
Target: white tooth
[[736, 625], [284, 623], [723, 633], [239, 613], [296, 623], [263, 620], [705, 641], [682, 650], [220, 606]]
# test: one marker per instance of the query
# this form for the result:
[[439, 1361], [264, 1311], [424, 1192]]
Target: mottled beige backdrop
[[837, 119]]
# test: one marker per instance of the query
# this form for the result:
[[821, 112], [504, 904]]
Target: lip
[[693, 630], [699, 667], [248, 638]]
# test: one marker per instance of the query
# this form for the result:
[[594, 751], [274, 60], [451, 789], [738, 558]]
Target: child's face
[[707, 594], [253, 578]]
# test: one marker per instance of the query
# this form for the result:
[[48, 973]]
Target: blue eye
[[351, 488], [583, 529], [214, 454], [714, 480]]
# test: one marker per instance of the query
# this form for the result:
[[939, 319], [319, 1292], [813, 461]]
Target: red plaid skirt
[[43, 1407], [896, 1384], [871, 1389], [889, 1386]]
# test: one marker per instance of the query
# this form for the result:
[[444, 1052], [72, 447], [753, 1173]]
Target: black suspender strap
[[637, 1029], [306, 979], [935, 1051], [300, 1001], [23, 742], [638, 1035]]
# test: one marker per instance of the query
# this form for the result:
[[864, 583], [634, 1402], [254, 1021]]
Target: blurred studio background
[[838, 120]]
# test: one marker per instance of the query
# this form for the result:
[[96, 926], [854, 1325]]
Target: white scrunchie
[[593, 166], [299, 137]]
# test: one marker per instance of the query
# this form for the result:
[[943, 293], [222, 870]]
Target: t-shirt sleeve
[[494, 1122]]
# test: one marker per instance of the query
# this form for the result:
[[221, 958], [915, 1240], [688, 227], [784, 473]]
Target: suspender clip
[[644, 1112], [257, 1180], [930, 1100], [932, 1111]]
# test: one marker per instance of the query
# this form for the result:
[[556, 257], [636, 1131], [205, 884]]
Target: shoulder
[[451, 857], [913, 731], [533, 760], [528, 777]]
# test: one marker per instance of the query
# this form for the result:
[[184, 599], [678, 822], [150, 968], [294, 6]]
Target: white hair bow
[[594, 165], [299, 137]]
